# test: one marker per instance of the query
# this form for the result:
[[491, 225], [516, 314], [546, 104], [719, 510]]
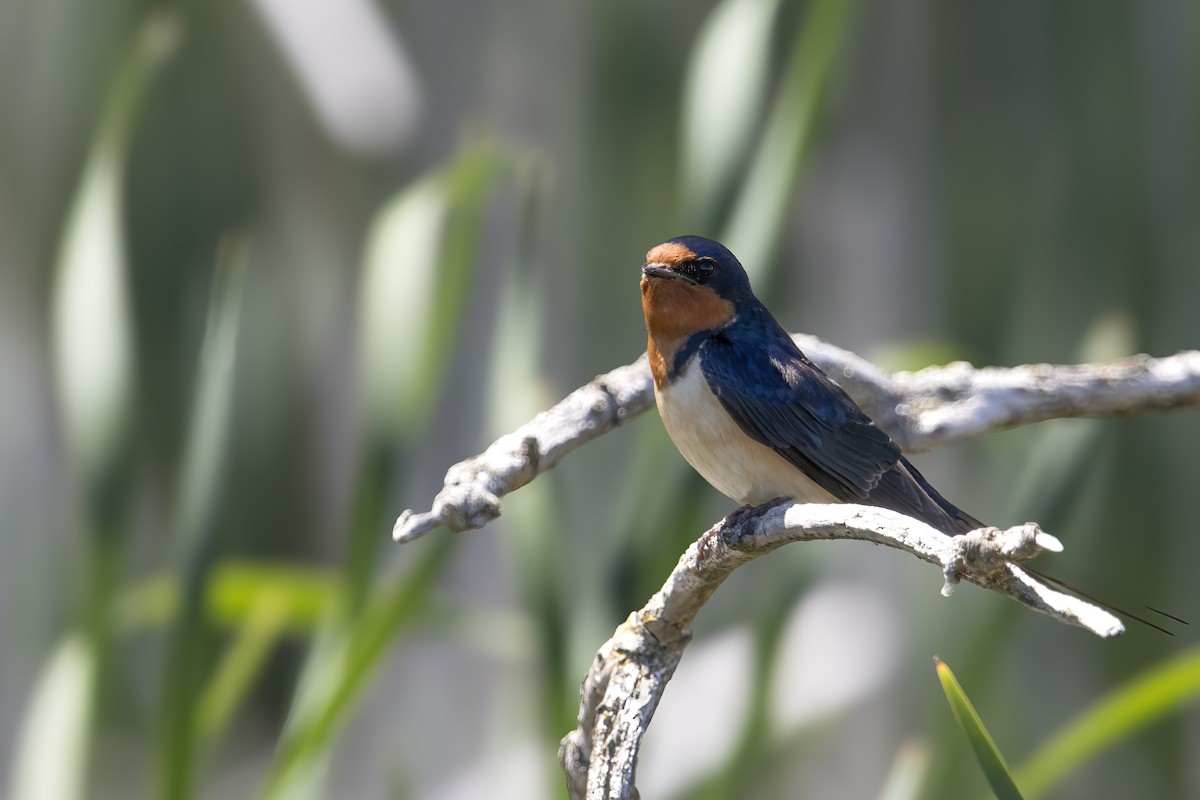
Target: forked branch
[[920, 410], [621, 691]]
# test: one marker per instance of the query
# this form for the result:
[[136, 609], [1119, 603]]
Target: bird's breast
[[715, 445]]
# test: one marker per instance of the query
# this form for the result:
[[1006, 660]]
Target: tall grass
[[262, 347]]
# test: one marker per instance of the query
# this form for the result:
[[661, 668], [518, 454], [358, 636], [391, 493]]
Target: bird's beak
[[659, 271]]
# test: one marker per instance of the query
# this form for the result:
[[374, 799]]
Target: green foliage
[[51, 761], [1167, 688], [344, 659], [197, 499], [268, 331], [999, 776]]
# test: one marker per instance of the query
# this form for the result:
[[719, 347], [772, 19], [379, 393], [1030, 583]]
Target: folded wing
[[788, 404]]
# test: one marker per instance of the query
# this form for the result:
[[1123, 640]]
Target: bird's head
[[691, 284]]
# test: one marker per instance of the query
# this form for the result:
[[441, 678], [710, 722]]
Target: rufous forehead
[[669, 253]]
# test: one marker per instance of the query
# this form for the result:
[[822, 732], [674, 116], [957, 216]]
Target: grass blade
[[421, 253], [765, 198], [51, 759], [340, 669], [908, 772], [95, 374], [243, 661], [999, 776], [197, 498], [1140, 702], [723, 95], [419, 260], [232, 595], [90, 313]]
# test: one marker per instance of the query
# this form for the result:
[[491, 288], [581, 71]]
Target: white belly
[[737, 466]]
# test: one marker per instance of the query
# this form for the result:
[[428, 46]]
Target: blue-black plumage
[[754, 415], [750, 411]]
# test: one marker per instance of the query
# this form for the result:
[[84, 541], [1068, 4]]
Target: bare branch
[[470, 497], [621, 691], [941, 405], [920, 410]]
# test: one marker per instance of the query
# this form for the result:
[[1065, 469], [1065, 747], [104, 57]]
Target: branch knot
[[986, 553]]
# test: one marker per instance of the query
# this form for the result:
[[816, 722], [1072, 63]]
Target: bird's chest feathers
[[714, 444], [675, 311]]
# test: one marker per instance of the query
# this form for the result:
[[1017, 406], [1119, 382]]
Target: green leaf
[[341, 666], [766, 196], [52, 750], [724, 90], [232, 595], [1138, 703], [908, 772], [90, 307], [999, 776], [243, 661], [197, 498], [237, 589], [419, 260], [92, 337]]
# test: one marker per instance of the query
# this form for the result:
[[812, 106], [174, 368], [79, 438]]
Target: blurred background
[[268, 268]]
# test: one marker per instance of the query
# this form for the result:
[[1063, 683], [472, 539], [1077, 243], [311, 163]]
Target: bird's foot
[[733, 520], [739, 516]]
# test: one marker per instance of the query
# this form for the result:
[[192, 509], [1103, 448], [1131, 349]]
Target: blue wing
[[782, 400]]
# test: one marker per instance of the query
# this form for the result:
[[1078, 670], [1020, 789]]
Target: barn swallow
[[759, 420], [750, 412]]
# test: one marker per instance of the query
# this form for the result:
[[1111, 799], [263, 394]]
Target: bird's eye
[[705, 267]]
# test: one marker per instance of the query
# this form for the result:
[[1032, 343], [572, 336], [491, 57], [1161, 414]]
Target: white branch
[[622, 689], [941, 405], [471, 495], [920, 410]]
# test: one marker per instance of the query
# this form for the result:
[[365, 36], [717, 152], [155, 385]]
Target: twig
[[920, 410], [941, 405], [470, 497], [622, 689]]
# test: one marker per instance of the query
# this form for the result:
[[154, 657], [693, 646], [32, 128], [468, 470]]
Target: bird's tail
[[1115, 609], [954, 521], [939, 512]]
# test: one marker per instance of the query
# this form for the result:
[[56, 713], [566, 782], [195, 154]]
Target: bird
[[750, 411], [757, 418]]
